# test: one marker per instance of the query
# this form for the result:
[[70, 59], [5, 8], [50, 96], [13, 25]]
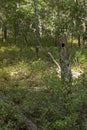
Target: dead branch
[[58, 66]]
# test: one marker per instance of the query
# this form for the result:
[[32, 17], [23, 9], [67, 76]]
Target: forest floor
[[25, 83]]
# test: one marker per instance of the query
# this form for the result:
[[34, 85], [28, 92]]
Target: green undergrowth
[[31, 86]]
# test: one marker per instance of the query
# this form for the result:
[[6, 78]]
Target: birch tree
[[38, 44]]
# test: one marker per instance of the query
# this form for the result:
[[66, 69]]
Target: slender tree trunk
[[16, 30], [38, 44], [4, 33], [79, 42], [83, 39], [85, 36], [66, 74]]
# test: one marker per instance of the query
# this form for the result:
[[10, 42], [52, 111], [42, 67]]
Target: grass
[[29, 85]]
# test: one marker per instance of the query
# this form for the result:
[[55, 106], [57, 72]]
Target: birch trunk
[[66, 74]]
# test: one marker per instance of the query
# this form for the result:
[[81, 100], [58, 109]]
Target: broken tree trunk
[[66, 74]]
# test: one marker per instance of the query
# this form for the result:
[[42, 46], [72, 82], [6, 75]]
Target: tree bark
[[66, 74], [38, 44]]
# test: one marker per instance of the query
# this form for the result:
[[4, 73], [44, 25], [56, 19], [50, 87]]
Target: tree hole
[[63, 44]]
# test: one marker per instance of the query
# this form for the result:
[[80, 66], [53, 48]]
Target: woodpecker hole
[[63, 44]]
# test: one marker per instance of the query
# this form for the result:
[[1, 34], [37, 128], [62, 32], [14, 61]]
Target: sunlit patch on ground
[[9, 48]]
